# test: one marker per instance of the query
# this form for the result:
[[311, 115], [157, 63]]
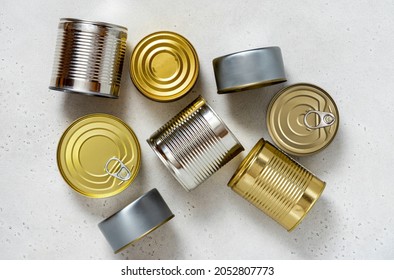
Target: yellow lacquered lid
[[99, 155], [302, 119], [164, 66]]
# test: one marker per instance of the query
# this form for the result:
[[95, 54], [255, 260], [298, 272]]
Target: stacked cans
[[99, 155]]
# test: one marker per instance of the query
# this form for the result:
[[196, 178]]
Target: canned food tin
[[276, 184], [302, 119], [89, 57], [138, 219], [195, 144], [99, 155], [249, 69], [164, 66]]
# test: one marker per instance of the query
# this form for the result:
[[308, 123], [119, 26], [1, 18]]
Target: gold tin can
[[99, 155], [276, 184], [164, 66], [302, 119]]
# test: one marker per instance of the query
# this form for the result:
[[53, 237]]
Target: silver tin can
[[249, 69], [89, 57], [136, 220], [195, 144]]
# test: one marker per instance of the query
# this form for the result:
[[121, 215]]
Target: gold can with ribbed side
[[276, 184], [164, 66]]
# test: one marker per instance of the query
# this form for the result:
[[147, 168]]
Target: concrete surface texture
[[345, 47]]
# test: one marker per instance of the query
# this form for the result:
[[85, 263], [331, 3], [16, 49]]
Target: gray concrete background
[[346, 47]]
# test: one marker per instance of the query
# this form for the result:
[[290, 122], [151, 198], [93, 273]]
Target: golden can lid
[[99, 155], [302, 119], [164, 66]]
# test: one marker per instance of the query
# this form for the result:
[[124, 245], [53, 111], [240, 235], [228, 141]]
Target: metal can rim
[[246, 163], [244, 51], [88, 93], [91, 22]]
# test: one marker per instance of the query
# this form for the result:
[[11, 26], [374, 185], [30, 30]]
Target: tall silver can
[[195, 144], [89, 57]]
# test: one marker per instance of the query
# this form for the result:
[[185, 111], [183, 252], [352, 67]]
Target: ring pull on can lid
[[302, 119], [325, 119], [123, 173]]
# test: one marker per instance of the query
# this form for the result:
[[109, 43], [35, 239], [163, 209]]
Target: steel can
[[302, 119], [99, 155], [164, 66], [136, 220], [195, 144], [249, 69], [89, 57], [276, 184]]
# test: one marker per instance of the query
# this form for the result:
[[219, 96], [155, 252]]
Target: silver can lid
[[249, 69], [136, 220]]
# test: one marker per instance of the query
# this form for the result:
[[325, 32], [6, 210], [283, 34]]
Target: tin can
[[99, 155], [89, 57], [164, 66], [136, 220], [302, 119], [249, 69], [276, 184], [195, 144]]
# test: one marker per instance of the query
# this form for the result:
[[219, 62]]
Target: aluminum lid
[[136, 220], [249, 69], [302, 119], [164, 66], [99, 155]]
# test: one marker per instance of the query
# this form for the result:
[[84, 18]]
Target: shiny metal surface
[[249, 69], [164, 66], [276, 184], [302, 119], [86, 152], [89, 57], [136, 220], [195, 144]]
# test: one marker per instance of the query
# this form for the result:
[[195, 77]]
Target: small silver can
[[249, 69], [195, 144], [89, 57], [136, 220]]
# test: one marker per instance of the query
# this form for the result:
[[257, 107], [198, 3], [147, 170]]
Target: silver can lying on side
[[249, 69], [195, 144], [136, 220]]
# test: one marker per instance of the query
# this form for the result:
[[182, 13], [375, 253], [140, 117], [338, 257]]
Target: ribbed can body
[[195, 144], [277, 185], [89, 57]]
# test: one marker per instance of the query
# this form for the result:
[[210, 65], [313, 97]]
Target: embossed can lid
[[302, 119]]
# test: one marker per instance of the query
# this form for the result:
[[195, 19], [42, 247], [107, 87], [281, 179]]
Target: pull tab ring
[[123, 174], [326, 119]]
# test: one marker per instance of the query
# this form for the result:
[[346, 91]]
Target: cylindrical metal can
[[89, 57], [276, 184], [164, 66], [302, 119], [99, 155], [136, 220], [249, 69], [195, 144]]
